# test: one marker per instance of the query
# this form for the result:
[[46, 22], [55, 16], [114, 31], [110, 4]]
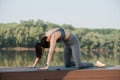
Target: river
[[25, 58]]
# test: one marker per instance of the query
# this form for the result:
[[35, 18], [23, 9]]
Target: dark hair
[[44, 43], [38, 50]]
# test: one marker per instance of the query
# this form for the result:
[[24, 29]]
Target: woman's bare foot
[[99, 64]]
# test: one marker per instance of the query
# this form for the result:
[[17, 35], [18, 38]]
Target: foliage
[[27, 33]]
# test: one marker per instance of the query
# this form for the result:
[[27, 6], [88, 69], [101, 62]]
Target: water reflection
[[25, 58], [14, 58]]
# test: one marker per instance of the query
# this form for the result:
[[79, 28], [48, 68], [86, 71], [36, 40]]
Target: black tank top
[[62, 34]]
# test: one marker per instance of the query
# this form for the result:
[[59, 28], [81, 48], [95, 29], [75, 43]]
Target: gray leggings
[[72, 48]]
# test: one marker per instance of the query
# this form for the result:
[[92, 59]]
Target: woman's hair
[[39, 45], [44, 42], [38, 50]]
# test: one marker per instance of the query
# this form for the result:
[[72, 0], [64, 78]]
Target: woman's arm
[[53, 40], [35, 63], [36, 60]]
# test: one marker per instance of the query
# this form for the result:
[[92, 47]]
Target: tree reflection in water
[[25, 58]]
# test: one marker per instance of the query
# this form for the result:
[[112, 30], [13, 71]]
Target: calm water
[[25, 58]]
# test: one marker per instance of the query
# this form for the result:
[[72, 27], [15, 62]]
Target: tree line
[[28, 32]]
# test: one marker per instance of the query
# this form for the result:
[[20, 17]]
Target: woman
[[71, 48]]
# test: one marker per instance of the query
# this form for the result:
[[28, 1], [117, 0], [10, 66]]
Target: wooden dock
[[60, 73]]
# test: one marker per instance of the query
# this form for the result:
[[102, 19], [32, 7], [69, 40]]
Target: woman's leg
[[67, 56], [77, 54], [72, 48]]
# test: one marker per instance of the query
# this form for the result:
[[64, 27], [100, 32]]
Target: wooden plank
[[94, 74], [82, 74], [63, 75]]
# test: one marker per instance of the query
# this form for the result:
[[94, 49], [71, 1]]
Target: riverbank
[[17, 49], [57, 49]]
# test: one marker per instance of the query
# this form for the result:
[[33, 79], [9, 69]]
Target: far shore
[[57, 49], [18, 49]]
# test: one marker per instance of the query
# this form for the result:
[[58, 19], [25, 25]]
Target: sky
[[78, 13]]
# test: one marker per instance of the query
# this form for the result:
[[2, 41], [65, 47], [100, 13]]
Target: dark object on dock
[[60, 73]]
